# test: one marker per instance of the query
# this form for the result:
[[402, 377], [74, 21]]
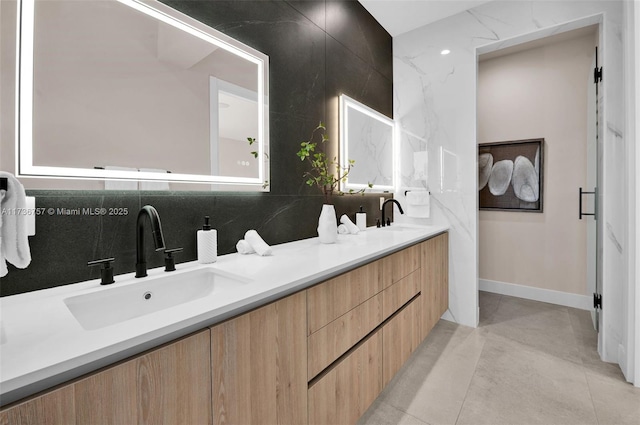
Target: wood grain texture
[[400, 293], [401, 336], [259, 364], [435, 277], [406, 262], [335, 339], [345, 393], [331, 299], [169, 385], [53, 408]]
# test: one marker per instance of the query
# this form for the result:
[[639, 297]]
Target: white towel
[[418, 204], [154, 184], [244, 247], [352, 228], [14, 243], [342, 230], [120, 184], [257, 243]]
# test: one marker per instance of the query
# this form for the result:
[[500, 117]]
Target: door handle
[[595, 201]]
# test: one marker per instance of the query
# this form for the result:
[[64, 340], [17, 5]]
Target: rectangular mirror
[[131, 90], [366, 137]]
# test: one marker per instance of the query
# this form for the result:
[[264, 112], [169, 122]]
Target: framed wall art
[[510, 175]]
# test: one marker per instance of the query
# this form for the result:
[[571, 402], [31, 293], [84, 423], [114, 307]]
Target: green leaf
[[255, 154]]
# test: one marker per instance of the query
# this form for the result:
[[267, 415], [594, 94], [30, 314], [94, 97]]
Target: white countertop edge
[[86, 361]]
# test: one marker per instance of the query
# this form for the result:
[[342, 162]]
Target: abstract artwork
[[510, 175]]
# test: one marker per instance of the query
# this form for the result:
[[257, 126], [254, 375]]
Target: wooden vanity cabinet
[[53, 408], [435, 279], [171, 384], [319, 356], [346, 391], [259, 364]]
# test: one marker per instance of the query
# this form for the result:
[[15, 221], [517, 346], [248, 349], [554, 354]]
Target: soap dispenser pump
[[361, 219], [207, 243]]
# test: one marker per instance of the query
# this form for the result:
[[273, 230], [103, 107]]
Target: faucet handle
[[169, 263], [106, 273]]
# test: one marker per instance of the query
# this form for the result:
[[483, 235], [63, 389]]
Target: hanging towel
[[418, 204], [153, 184], [14, 244], [120, 184], [257, 243]]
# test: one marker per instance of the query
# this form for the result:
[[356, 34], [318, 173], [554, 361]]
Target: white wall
[[631, 362], [435, 101], [540, 92]]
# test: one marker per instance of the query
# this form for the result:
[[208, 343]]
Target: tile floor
[[527, 363]]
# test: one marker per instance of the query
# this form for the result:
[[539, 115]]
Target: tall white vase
[[328, 224]]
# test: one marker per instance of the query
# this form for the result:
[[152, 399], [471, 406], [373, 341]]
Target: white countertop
[[42, 344]]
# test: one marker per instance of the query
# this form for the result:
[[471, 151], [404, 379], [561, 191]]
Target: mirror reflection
[[366, 136], [137, 91]]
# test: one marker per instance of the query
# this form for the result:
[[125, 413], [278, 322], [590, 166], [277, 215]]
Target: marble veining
[[435, 101]]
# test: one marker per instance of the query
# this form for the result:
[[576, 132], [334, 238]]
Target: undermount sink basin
[[397, 228], [150, 295]]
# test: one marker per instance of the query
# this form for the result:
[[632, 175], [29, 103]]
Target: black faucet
[[156, 231], [385, 203]]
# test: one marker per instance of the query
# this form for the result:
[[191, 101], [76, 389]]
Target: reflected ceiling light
[[445, 52]]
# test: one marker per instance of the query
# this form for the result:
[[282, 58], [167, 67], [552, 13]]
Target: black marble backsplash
[[317, 50]]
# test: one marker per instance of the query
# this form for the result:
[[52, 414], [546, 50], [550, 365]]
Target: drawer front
[[335, 339], [346, 392], [406, 262], [395, 267], [335, 297], [400, 293], [401, 336]]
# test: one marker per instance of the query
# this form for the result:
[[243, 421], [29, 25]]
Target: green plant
[[251, 141], [326, 173]]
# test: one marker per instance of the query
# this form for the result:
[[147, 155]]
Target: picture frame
[[511, 175]]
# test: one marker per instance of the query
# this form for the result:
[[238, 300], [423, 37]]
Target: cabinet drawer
[[400, 293], [401, 336], [345, 392], [399, 265], [333, 298], [335, 339], [259, 366]]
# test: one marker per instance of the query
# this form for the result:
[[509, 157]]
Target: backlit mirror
[[127, 91], [366, 137]]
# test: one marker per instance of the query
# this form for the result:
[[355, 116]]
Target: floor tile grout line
[[593, 404], [405, 413], [475, 371]]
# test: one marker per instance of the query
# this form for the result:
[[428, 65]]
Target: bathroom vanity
[[316, 348]]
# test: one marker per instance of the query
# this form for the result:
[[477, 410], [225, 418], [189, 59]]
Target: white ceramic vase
[[328, 225]]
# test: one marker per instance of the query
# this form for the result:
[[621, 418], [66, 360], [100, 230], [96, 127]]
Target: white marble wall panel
[[435, 102]]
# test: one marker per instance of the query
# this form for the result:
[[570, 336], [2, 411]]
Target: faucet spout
[[385, 203], [156, 232]]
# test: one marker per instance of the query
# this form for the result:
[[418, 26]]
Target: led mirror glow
[[366, 137], [179, 43]]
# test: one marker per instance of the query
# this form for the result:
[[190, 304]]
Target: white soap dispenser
[[207, 244], [361, 219]]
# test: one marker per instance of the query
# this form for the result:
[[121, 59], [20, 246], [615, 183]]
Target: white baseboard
[[582, 302]]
